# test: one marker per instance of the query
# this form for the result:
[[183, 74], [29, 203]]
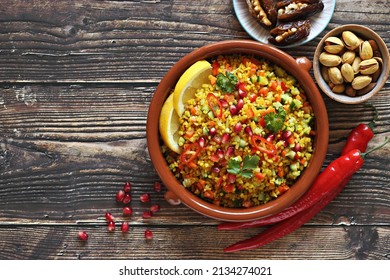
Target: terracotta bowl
[[299, 68], [365, 34]]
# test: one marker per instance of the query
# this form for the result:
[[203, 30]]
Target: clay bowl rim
[[235, 47], [361, 31]]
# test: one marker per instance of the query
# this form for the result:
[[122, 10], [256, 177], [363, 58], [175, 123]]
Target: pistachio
[[366, 89], [365, 50], [335, 75], [351, 41], [333, 45], [347, 72], [338, 88], [348, 57], [329, 60], [376, 75], [355, 65], [324, 73], [361, 82], [369, 66]]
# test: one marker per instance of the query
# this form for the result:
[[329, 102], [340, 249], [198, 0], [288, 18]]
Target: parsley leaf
[[227, 83], [234, 166], [249, 164], [274, 121]]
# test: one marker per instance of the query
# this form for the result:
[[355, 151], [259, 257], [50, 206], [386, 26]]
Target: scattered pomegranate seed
[[126, 199], [225, 138], [212, 131], [83, 235], [157, 186], [111, 226], [242, 93], [248, 130], [145, 197], [127, 187], [224, 103], [109, 217], [127, 211], [220, 153], [215, 169], [233, 110], [148, 234], [239, 105], [147, 214], [229, 151], [202, 142], [231, 178], [120, 195], [125, 227], [155, 208], [238, 127]]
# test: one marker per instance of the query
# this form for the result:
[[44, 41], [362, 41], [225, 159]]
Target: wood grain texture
[[76, 79]]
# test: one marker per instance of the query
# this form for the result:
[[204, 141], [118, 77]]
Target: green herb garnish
[[274, 121], [227, 83], [245, 169]]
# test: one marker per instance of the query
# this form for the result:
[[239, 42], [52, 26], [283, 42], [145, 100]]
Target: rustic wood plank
[[129, 41], [308, 242]]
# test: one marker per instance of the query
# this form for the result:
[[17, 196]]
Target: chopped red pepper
[[215, 105], [261, 144], [283, 86], [215, 67]]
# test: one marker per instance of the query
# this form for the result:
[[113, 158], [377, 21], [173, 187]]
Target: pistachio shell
[[366, 89], [351, 41], [338, 88], [324, 73], [335, 75], [361, 82], [368, 66], [348, 57], [374, 45], [329, 60], [347, 72], [365, 51], [333, 45], [355, 65], [350, 91]]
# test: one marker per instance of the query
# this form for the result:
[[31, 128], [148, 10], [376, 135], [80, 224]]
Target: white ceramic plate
[[318, 22]]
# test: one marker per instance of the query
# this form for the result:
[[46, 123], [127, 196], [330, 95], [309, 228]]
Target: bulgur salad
[[246, 136]]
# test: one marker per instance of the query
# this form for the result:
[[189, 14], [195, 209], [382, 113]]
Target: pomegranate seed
[[270, 138], [231, 178], [238, 127], [125, 227], [212, 131], [297, 148], [111, 226], [127, 211], [248, 130], [127, 198], [224, 103], [233, 110], [239, 105], [147, 214], [157, 186], [127, 187], [120, 195], [219, 153], [252, 97], [148, 234], [202, 142], [83, 235], [230, 151], [145, 197], [287, 134], [215, 169], [242, 93], [109, 217], [155, 208], [225, 138]]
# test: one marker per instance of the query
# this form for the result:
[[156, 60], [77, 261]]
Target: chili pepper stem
[[363, 155], [371, 125]]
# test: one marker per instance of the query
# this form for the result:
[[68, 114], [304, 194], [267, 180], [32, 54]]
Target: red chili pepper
[[215, 105], [190, 153], [215, 67], [342, 168], [263, 145], [358, 139], [284, 227]]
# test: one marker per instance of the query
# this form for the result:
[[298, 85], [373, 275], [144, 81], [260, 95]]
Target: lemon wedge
[[189, 82], [169, 125]]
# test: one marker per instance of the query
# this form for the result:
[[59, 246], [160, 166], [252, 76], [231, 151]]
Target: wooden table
[[76, 81]]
